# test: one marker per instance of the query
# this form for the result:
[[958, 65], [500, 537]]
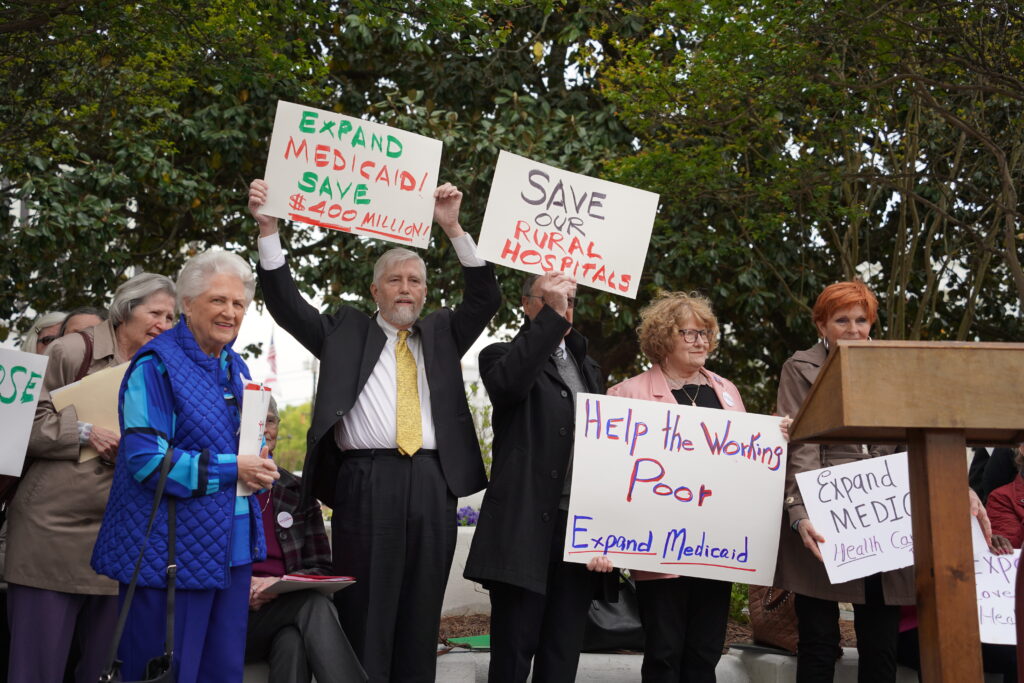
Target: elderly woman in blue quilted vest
[[183, 391]]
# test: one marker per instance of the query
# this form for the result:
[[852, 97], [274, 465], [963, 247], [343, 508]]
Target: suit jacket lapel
[[372, 348], [427, 343]]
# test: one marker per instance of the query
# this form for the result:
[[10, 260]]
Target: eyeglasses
[[573, 300], [690, 336], [48, 339]]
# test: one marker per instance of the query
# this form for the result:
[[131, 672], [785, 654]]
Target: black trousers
[[547, 629], [393, 530], [299, 636], [684, 628], [877, 626]]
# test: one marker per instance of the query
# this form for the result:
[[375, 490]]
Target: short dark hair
[[82, 310]]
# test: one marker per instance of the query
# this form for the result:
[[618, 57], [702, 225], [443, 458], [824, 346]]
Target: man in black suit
[[538, 602], [392, 443]]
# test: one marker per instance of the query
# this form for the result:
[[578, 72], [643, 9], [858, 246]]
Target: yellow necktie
[[409, 433]]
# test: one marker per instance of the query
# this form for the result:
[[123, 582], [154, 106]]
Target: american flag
[[271, 382]]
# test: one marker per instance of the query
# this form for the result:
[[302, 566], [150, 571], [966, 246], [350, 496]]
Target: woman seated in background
[[297, 633], [684, 617]]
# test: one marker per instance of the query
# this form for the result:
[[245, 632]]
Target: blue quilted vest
[[203, 422]]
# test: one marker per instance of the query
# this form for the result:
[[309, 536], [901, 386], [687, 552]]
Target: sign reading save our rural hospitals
[[21, 381], [540, 218], [347, 174], [862, 509], [676, 489]]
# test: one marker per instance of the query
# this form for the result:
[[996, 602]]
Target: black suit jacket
[[533, 422], [349, 343]]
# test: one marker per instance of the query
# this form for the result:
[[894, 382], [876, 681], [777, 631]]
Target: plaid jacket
[[304, 544]]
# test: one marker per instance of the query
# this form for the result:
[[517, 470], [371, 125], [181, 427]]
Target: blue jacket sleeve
[[148, 421]]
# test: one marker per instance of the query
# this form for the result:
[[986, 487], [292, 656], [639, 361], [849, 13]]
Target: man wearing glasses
[[538, 602]]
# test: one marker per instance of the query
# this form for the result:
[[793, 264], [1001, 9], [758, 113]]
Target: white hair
[[195, 275], [41, 323], [133, 292], [393, 257]]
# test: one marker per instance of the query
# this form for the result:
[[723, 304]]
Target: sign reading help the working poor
[[540, 218], [862, 509], [676, 489], [21, 381], [347, 174]]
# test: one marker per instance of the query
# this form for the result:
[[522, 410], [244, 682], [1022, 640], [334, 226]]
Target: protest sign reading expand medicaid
[[995, 579], [676, 489], [540, 218], [347, 174], [21, 381], [862, 509]]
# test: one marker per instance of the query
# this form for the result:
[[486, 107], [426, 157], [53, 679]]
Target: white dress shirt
[[371, 423]]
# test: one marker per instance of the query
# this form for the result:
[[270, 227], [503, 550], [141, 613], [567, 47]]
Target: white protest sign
[[862, 509], [253, 423], [347, 174], [21, 381], [540, 218], [676, 489], [995, 579]]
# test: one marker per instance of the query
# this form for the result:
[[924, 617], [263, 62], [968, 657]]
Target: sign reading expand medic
[[540, 218], [347, 174], [862, 509], [676, 489], [21, 381]]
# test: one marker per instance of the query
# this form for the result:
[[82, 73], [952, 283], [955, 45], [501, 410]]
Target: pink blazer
[[652, 386]]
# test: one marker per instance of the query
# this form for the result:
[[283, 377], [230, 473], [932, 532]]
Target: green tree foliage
[[290, 451], [136, 127], [795, 143]]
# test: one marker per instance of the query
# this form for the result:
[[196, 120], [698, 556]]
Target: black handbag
[[615, 625], [159, 669]]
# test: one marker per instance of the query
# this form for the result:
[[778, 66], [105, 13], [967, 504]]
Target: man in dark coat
[[538, 602], [392, 443]]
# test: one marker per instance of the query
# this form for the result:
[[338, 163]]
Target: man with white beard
[[392, 444]]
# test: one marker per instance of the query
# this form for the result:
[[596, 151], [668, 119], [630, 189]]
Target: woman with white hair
[[182, 397], [44, 331], [53, 595]]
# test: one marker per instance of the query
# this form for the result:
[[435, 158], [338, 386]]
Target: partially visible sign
[[347, 174], [862, 509], [21, 381], [540, 218], [676, 489], [995, 578]]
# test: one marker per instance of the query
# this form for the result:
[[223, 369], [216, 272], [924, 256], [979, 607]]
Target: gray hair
[[136, 290], [527, 289], [272, 413], [195, 275], [393, 257], [41, 323], [82, 310]]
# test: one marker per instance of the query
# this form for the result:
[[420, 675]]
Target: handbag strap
[[122, 618], [87, 360]]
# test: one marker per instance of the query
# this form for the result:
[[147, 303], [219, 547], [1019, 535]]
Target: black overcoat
[[348, 344], [533, 434]]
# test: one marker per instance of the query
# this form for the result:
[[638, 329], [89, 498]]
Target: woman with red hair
[[845, 310]]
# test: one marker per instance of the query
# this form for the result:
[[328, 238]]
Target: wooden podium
[[935, 397]]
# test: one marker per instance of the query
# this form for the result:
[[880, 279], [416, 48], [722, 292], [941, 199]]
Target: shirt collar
[[390, 330]]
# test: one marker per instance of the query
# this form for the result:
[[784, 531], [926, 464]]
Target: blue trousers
[[209, 631]]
